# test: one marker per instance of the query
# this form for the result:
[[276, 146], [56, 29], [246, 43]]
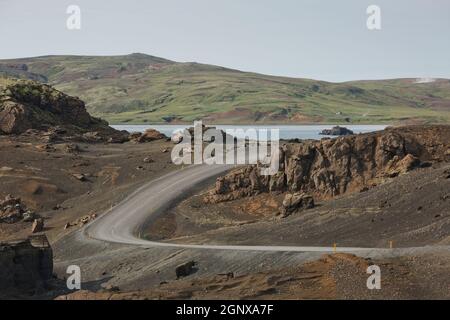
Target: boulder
[[29, 216], [150, 135], [134, 135], [296, 202], [148, 160], [9, 200], [182, 135], [120, 137], [177, 137], [401, 166], [185, 269], [11, 209], [85, 220], [79, 176], [82, 221], [38, 225]]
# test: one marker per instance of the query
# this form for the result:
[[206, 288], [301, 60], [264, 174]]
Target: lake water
[[286, 131]]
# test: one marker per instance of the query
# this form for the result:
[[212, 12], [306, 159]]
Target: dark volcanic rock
[[26, 264], [185, 269], [337, 131]]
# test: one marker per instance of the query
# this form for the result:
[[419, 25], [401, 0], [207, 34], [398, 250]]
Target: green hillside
[[139, 88]]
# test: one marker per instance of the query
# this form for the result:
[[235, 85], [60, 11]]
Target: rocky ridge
[[332, 167], [30, 107]]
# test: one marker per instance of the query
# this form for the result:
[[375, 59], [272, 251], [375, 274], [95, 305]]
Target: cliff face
[[26, 104], [331, 167], [26, 264]]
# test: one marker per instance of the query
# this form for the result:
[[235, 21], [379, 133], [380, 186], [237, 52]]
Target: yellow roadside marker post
[[391, 244], [334, 247]]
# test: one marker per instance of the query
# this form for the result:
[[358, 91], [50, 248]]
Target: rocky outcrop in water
[[333, 167], [336, 131]]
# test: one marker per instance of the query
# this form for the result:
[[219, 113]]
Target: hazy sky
[[320, 39]]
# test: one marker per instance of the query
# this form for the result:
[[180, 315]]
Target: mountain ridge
[[140, 88]]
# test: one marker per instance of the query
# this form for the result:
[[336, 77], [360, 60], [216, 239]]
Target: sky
[[318, 39]]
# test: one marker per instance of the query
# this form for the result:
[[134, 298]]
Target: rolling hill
[[139, 88]]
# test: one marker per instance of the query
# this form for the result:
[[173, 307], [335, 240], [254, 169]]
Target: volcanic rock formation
[[26, 104], [331, 167]]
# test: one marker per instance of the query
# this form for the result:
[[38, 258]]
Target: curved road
[[124, 222]]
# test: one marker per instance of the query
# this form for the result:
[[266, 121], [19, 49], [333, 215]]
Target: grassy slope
[[139, 88]]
